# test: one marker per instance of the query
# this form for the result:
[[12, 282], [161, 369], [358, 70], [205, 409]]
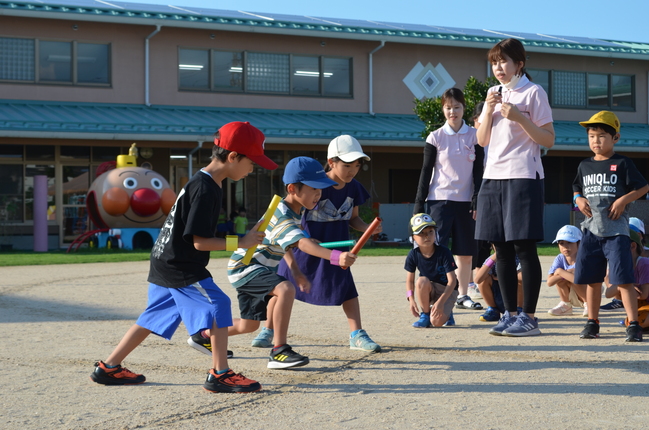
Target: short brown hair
[[453, 94], [512, 48]]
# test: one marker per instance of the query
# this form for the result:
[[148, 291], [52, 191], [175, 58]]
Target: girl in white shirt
[[516, 121]]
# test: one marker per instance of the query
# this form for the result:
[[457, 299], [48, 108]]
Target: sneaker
[[423, 321], [614, 305], [561, 309], [474, 291], [450, 322], [524, 326], [633, 333], [362, 341], [591, 330], [200, 344], [585, 312], [505, 321], [230, 382], [284, 358], [491, 314], [465, 302], [519, 310], [116, 376], [264, 339]]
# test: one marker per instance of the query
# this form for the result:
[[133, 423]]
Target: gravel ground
[[56, 321]]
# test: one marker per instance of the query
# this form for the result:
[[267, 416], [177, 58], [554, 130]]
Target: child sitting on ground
[[436, 287], [487, 281], [562, 273]]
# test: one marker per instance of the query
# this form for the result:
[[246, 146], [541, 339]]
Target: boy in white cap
[[562, 272]]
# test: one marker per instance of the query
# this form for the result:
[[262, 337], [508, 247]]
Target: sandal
[[465, 302]]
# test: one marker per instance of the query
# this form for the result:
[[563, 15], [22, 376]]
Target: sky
[[624, 20]]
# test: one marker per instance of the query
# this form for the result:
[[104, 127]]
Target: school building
[[81, 80]]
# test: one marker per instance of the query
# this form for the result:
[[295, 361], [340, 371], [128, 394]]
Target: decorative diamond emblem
[[428, 81]]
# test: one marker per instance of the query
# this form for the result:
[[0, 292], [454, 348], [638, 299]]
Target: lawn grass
[[28, 258]]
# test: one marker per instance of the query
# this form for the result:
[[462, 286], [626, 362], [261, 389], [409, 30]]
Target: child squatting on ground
[[180, 286], [562, 273], [487, 279], [258, 282], [436, 288], [604, 186]]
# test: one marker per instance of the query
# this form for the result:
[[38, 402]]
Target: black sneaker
[[285, 357], [115, 376], [230, 382], [199, 343], [633, 333], [591, 330]]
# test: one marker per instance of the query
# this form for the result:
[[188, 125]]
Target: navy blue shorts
[[454, 220], [198, 305], [595, 252], [510, 209], [254, 295]]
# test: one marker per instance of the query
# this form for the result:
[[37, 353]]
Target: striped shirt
[[282, 232]]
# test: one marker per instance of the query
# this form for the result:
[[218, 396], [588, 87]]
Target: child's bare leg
[[594, 299], [240, 326], [133, 337], [563, 289], [219, 340], [423, 291], [463, 273], [486, 293], [285, 296], [580, 289], [269, 312], [630, 300], [352, 310], [438, 319]]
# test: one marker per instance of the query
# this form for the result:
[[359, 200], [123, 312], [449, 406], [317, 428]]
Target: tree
[[429, 110]]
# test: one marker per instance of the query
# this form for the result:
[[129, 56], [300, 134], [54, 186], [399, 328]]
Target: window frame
[[245, 87], [73, 65]]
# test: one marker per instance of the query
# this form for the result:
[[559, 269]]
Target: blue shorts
[[454, 220], [198, 305], [595, 251]]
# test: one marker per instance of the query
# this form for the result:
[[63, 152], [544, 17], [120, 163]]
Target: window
[[263, 72], [581, 90], [62, 62]]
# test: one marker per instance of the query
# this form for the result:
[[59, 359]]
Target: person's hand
[[493, 98], [253, 237], [616, 209], [302, 282], [584, 206], [379, 228], [346, 259], [413, 306], [436, 311], [511, 112]]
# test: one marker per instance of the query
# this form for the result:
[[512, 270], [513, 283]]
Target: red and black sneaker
[[230, 382], [116, 376]]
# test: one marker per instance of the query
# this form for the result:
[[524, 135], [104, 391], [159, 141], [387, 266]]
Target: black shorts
[[254, 295], [454, 220], [510, 209]]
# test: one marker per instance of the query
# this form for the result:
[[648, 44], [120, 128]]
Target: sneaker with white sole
[[285, 358], [524, 326], [612, 306], [264, 339], [201, 344], [504, 322], [362, 342], [561, 309], [585, 312], [474, 291]]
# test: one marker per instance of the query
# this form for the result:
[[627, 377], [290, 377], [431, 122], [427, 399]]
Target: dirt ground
[[56, 321]]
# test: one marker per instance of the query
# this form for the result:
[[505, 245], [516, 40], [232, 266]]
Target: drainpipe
[[146, 65], [371, 107], [191, 153]]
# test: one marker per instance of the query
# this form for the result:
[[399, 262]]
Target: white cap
[[636, 225], [346, 148], [569, 233]]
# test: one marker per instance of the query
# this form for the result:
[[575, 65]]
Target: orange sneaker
[[116, 376], [230, 382]]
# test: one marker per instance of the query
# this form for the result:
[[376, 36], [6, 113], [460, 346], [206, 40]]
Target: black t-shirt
[[602, 182], [175, 263], [434, 268]]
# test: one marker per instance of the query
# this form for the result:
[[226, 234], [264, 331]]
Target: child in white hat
[[562, 272]]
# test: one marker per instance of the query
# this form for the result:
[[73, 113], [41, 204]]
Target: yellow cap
[[603, 117]]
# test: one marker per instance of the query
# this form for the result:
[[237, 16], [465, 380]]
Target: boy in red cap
[[180, 286]]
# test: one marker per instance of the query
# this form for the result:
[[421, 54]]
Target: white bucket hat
[[346, 148]]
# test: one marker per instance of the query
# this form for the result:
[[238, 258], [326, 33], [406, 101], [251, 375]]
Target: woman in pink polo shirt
[[516, 122], [449, 182]]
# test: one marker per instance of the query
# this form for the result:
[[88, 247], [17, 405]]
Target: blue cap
[[307, 171]]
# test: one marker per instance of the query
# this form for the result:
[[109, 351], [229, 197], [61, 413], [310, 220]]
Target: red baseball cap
[[245, 139]]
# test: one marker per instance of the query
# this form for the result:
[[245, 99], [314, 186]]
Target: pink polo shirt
[[453, 173], [512, 153]]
